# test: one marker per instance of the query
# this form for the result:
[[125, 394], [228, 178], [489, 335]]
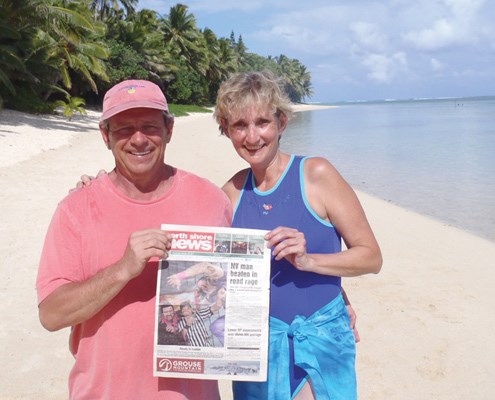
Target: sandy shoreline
[[425, 320]]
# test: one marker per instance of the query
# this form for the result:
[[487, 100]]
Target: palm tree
[[305, 86], [221, 62], [18, 24], [141, 32], [296, 78], [214, 68], [255, 62], [74, 45], [55, 42], [9, 59], [104, 8], [184, 39], [227, 58]]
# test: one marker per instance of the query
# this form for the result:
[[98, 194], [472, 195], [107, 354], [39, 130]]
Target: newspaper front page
[[212, 305]]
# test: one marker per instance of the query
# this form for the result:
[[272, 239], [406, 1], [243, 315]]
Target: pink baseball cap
[[133, 94]]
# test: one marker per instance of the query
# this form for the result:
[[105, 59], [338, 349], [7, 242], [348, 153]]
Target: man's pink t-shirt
[[89, 231]]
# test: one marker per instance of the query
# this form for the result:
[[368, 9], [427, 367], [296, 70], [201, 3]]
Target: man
[[192, 325], [98, 268], [168, 327]]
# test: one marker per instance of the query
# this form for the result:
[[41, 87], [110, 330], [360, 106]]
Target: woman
[[308, 208]]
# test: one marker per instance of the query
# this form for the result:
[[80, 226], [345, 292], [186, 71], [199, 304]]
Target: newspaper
[[212, 305]]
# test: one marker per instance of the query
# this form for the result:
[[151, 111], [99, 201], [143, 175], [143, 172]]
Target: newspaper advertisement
[[212, 304]]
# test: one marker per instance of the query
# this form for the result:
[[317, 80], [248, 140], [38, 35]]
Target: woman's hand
[[291, 244], [85, 180], [353, 317]]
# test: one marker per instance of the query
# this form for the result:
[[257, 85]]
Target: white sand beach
[[425, 321]]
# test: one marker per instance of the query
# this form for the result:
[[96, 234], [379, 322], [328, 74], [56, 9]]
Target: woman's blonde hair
[[248, 89]]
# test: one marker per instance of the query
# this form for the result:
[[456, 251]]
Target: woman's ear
[[224, 127], [282, 121]]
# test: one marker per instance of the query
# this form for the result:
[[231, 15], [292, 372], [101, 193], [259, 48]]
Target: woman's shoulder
[[234, 185], [316, 168], [236, 182]]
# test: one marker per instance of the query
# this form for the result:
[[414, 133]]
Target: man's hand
[[171, 329], [141, 247], [175, 280], [76, 302]]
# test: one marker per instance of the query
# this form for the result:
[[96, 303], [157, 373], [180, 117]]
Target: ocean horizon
[[433, 156], [459, 100]]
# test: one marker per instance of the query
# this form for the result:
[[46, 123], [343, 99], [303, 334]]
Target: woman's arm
[[331, 197]]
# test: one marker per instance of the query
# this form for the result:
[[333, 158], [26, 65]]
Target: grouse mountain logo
[[180, 365], [164, 364]]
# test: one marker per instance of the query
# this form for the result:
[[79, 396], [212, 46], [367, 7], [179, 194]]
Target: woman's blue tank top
[[292, 292]]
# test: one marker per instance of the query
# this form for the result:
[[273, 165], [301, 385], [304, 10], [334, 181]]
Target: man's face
[[168, 313], [138, 138], [186, 311], [206, 285]]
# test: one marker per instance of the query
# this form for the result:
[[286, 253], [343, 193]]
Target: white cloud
[[437, 65], [384, 69], [368, 36], [289, 39], [441, 34], [326, 29], [464, 8], [459, 25]]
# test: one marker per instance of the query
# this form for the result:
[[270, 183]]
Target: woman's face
[[255, 134]]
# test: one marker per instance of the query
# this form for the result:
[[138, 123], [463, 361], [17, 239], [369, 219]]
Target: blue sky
[[366, 49]]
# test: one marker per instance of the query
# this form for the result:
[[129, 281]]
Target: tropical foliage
[[55, 52]]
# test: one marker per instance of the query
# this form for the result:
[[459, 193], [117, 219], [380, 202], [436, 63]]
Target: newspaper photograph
[[212, 304]]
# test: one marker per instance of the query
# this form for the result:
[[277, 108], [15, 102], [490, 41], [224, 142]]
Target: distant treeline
[[63, 52]]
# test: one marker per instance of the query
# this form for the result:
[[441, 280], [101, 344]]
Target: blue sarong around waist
[[324, 347]]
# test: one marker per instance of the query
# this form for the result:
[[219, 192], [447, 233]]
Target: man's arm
[[76, 302], [211, 270]]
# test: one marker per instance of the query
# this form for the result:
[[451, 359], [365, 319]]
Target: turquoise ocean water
[[436, 157]]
